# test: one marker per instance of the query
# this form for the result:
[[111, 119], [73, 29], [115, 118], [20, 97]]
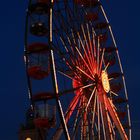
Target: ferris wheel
[[76, 83]]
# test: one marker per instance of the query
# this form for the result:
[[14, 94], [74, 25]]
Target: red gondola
[[44, 122], [121, 114], [119, 100], [102, 37], [44, 1], [109, 59], [88, 3], [37, 72], [110, 49], [38, 29], [101, 25], [38, 8], [116, 87], [37, 48], [91, 16], [127, 126], [43, 96], [114, 75]]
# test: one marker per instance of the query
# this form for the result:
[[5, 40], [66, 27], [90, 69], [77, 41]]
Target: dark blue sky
[[125, 20]]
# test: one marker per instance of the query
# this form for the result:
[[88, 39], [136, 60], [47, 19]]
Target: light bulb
[[28, 139]]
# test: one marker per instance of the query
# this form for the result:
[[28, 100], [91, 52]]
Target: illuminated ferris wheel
[[76, 83]]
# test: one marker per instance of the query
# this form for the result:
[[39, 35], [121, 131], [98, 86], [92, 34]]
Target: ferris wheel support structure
[[53, 72]]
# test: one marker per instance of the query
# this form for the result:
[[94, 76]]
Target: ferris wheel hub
[[105, 81]]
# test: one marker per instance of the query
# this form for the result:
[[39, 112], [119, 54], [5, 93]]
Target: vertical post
[[53, 73]]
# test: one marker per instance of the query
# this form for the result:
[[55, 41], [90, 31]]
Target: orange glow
[[105, 81], [28, 139]]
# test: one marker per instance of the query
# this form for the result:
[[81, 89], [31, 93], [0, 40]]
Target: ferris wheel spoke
[[66, 75], [68, 41], [63, 23], [85, 126], [76, 118], [64, 44], [78, 123], [72, 78], [89, 115], [115, 118], [98, 55], [106, 66], [85, 73], [93, 40], [72, 44], [112, 131], [68, 24], [85, 51], [106, 123], [93, 113], [70, 66], [68, 114], [113, 93], [89, 100], [101, 62], [102, 112], [89, 52], [72, 107], [71, 53], [61, 93], [69, 12], [73, 36], [90, 44], [98, 124], [83, 118], [72, 59], [84, 61], [102, 123], [83, 121]]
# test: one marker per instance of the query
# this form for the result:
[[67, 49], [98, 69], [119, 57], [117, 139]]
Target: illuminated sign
[[105, 81]]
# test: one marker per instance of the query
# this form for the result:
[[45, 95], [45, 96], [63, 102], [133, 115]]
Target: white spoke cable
[[84, 61], [98, 111], [113, 93], [85, 73], [98, 54], [94, 90], [106, 66], [91, 46], [93, 116], [103, 122], [86, 55], [102, 58]]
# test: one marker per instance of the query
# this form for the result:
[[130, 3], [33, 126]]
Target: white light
[[105, 81], [28, 139]]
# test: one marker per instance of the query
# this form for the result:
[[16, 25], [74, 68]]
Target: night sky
[[125, 20]]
